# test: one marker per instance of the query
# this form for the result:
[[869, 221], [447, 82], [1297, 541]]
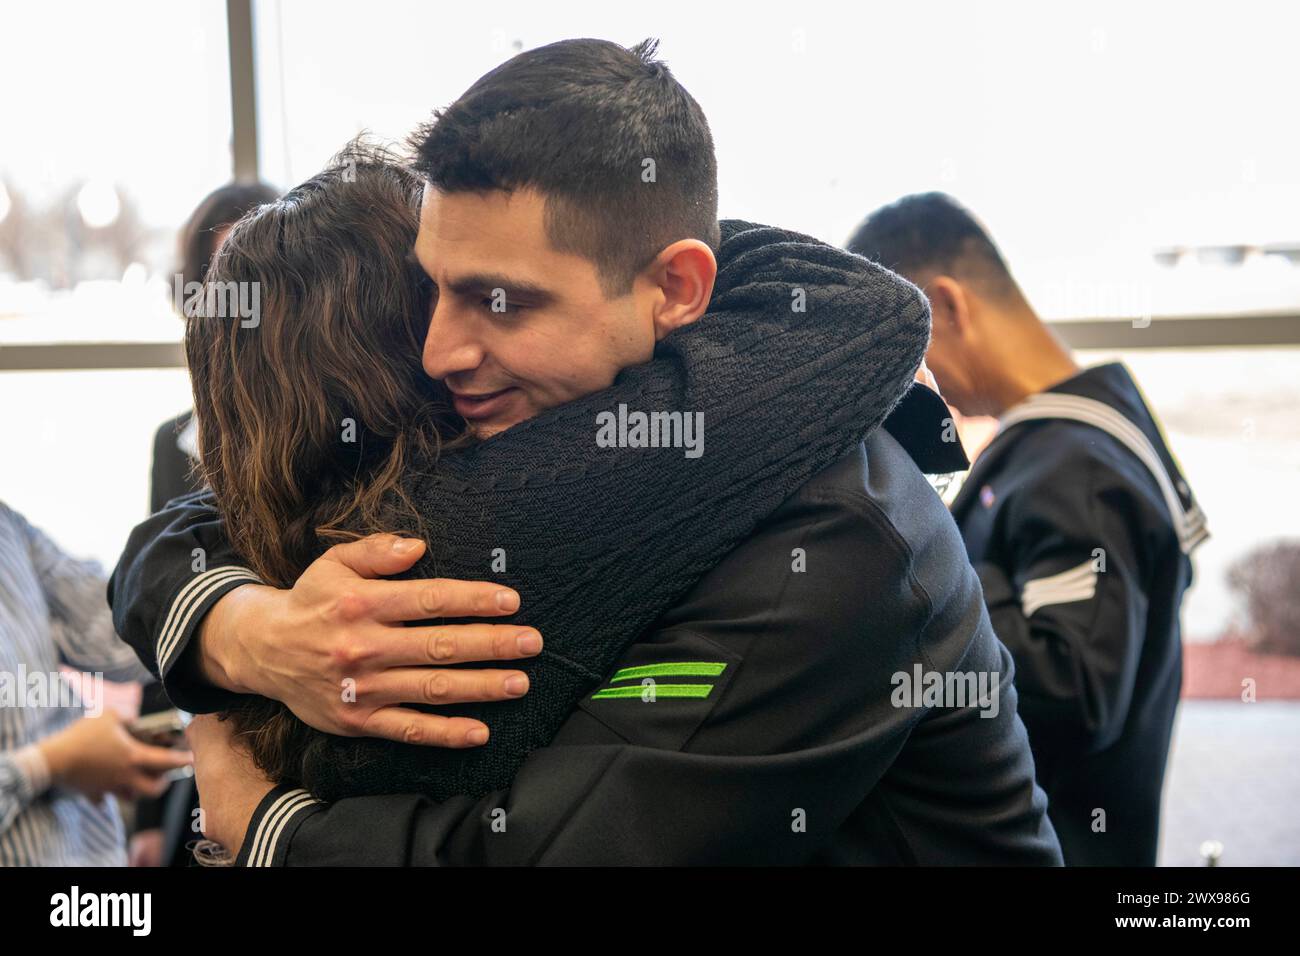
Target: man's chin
[[483, 430]]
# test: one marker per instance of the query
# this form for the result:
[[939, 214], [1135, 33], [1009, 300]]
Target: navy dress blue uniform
[[756, 722], [1079, 524]]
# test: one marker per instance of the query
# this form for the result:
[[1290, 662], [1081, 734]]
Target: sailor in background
[[1076, 518]]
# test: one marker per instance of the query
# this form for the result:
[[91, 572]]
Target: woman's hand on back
[[335, 649]]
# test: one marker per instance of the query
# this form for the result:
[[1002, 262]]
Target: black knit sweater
[[804, 351]]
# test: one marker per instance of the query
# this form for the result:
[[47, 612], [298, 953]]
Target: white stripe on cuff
[[189, 599], [273, 824]]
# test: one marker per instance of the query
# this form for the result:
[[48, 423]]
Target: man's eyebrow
[[413, 259], [480, 282]]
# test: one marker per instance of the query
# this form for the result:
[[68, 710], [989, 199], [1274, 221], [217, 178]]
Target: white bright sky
[[1086, 135]]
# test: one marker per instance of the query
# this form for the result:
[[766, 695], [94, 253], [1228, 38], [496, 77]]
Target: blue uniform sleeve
[[1067, 598]]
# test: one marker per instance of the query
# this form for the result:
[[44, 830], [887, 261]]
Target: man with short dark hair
[[576, 183], [1076, 518]]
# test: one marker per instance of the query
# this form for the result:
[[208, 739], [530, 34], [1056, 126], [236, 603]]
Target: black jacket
[[1083, 559], [783, 743]]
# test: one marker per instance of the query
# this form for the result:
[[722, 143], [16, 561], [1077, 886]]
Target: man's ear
[[950, 308], [682, 275]]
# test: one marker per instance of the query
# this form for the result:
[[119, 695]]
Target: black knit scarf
[[803, 352]]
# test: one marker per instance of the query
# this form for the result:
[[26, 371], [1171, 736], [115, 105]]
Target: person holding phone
[[61, 767]]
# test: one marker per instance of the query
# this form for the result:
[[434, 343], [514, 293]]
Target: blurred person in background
[[1078, 521], [175, 446], [163, 825], [60, 766]]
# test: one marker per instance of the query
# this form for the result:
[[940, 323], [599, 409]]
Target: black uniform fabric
[[804, 351], [1098, 653], [798, 754], [171, 475]]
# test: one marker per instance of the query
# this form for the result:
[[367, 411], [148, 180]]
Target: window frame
[[1204, 331]]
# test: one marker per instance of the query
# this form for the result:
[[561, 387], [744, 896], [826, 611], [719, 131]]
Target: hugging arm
[[805, 350], [793, 736], [183, 600]]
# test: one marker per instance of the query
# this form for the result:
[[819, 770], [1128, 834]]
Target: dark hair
[[577, 120], [342, 314], [220, 209], [931, 233]]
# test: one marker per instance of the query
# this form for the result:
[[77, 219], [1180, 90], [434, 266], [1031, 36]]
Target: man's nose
[[451, 345]]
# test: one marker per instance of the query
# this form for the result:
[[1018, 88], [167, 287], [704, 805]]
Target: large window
[[116, 122], [1131, 159], [77, 447], [1133, 162]]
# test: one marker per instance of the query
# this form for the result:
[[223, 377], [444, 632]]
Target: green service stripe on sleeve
[[659, 690], [679, 669]]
